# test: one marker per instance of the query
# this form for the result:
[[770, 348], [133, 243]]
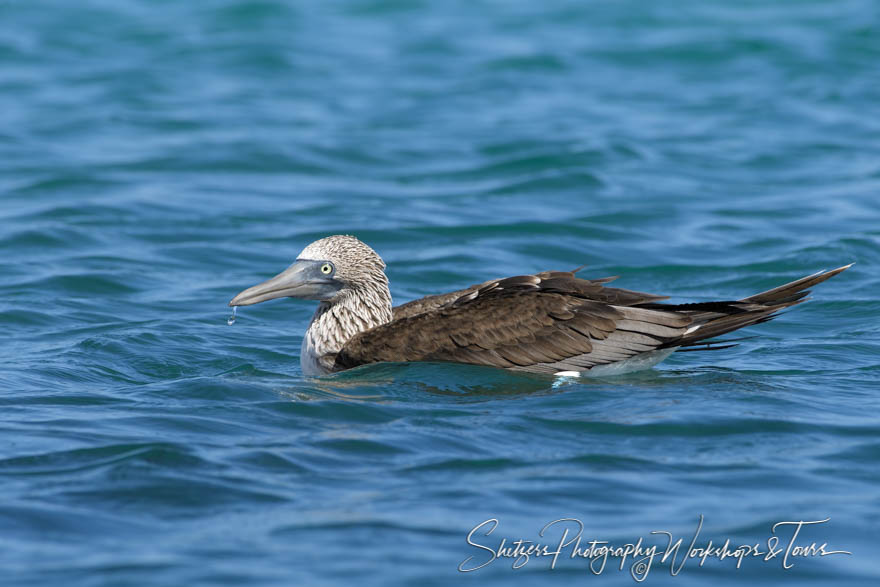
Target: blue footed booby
[[551, 322]]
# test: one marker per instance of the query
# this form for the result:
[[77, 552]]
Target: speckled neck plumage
[[358, 309]]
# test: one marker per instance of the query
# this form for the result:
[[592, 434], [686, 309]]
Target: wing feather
[[547, 322]]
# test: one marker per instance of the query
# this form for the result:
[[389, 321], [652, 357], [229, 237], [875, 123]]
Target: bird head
[[326, 270]]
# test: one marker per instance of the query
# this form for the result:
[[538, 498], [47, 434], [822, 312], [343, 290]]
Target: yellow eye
[[326, 268]]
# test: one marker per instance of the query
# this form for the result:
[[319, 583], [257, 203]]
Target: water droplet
[[231, 320]]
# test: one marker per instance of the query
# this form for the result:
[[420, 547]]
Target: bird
[[552, 322]]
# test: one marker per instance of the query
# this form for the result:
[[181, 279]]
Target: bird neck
[[336, 322]]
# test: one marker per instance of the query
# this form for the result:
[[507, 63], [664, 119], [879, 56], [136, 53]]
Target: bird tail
[[713, 319], [796, 289]]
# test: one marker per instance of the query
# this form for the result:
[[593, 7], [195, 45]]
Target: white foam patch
[[638, 363], [568, 373]]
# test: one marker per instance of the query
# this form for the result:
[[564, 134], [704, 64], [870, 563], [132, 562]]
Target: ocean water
[[158, 157]]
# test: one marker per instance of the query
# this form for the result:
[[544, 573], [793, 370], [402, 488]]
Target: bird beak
[[302, 280]]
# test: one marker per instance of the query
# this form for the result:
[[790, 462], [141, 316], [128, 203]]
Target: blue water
[[158, 157]]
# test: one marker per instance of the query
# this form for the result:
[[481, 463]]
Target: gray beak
[[302, 280]]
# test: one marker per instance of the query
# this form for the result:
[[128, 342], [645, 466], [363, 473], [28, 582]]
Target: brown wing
[[428, 303], [563, 281], [547, 322]]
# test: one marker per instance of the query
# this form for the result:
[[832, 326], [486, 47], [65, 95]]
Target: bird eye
[[326, 268]]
